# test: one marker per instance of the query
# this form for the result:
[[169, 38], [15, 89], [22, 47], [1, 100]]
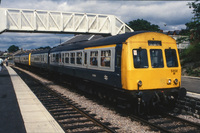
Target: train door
[[118, 52]]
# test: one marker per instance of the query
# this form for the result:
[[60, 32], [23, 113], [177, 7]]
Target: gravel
[[187, 117]]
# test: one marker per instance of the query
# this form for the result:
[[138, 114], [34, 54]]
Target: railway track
[[188, 105], [61, 112], [68, 114], [169, 124]]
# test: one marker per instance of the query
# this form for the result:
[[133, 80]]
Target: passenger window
[[171, 58], [85, 58], [79, 57], [57, 58], [140, 58], [72, 58], [94, 58], [62, 57], [66, 57], [105, 58], [156, 58]]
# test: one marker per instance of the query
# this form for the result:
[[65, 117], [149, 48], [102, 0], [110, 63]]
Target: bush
[[191, 54]]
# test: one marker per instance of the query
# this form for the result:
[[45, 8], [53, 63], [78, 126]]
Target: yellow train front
[[151, 68]]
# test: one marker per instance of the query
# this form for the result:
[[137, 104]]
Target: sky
[[168, 15]]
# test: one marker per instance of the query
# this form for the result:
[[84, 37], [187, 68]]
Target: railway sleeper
[[61, 110], [89, 131], [69, 117], [66, 113], [81, 125], [75, 121]]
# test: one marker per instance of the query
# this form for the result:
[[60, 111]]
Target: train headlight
[[139, 83], [176, 81], [169, 81]]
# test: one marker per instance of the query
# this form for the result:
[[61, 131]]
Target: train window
[[171, 58], [156, 58], [79, 57], [42, 59], [62, 57], [140, 58], [85, 58], [72, 58], [105, 58], [94, 58], [66, 57], [57, 58], [52, 57], [118, 58], [154, 43]]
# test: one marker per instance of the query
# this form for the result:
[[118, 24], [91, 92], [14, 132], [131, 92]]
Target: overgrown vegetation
[[190, 58], [192, 54]]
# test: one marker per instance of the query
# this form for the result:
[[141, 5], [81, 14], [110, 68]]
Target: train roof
[[22, 53], [40, 51], [82, 38], [118, 39]]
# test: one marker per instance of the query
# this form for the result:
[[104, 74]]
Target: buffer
[[41, 21]]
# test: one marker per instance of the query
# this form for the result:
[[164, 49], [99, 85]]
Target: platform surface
[[192, 85], [11, 120], [21, 111]]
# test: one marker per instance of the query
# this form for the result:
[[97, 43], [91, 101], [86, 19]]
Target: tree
[[194, 25], [141, 24], [47, 47], [13, 48], [192, 53]]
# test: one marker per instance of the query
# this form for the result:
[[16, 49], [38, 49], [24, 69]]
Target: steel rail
[[45, 94]]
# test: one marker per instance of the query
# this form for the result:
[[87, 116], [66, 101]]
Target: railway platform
[[192, 85], [20, 110]]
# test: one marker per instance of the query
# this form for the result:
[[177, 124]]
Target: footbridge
[[41, 21]]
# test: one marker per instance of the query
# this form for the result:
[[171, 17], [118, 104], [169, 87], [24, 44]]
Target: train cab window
[[171, 58], [94, 58], [140, 58], [79, 58], [66, 57], [156, 58], [72, 58], [105, 58]]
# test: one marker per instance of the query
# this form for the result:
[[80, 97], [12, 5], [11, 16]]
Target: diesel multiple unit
[[137, 65]]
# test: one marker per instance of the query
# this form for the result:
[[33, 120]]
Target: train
[[137, 68]]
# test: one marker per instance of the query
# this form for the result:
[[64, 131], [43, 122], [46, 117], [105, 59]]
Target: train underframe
[[140, 102]]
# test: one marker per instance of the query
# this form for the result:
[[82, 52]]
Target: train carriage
[[139, 65], [40, 59], [129, 56]]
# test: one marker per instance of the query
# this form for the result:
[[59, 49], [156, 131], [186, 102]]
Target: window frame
[[162, 58], [97, 58], [176, 61], [104, 56], [136, 54]]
